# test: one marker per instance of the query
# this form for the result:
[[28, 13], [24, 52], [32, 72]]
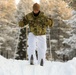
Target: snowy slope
[[18, 67]]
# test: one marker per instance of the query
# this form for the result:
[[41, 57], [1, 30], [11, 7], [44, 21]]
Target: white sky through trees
[[17, 1], [36, 1]]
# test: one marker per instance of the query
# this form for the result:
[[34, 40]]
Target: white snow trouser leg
[[32, 46], [39, 43], [41, 47]]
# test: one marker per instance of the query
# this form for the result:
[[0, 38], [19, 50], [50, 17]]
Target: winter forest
[[61, 38]]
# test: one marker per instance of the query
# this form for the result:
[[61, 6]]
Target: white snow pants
[[37, 43]]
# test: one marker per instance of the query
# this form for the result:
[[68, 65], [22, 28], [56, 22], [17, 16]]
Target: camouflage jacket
[[37, 24]]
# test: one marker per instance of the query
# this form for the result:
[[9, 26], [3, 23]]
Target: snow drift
[[18, 67]]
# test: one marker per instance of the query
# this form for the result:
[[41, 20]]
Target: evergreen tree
[[22, 45]]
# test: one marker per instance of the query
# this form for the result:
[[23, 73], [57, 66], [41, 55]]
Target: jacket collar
[[40, 14], [36, 14]]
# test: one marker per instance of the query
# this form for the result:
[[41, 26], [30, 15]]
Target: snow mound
[[18, 67]]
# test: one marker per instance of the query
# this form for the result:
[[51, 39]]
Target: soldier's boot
[[31, 60], [41, 62]]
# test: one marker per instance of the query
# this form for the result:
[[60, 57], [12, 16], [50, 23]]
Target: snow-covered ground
[[18, 67]]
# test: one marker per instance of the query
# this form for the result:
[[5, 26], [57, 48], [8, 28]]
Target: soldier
[[38, 23]]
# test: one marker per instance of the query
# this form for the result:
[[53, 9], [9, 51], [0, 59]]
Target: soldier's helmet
[[36, 6]]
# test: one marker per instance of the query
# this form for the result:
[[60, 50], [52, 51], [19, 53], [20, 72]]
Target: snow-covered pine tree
[[22, 44]]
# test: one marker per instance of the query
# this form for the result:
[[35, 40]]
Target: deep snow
[[19, 67]]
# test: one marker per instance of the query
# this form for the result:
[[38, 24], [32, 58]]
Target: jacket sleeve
[[49, 22], [23, 22]]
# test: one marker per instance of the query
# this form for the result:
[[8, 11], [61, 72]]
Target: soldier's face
[[36, 11]]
